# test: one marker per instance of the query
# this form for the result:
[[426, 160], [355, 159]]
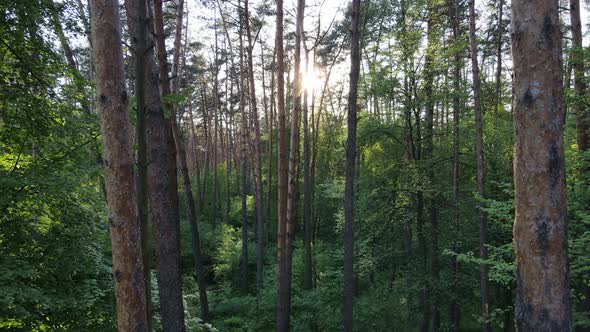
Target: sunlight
[[311, 81]]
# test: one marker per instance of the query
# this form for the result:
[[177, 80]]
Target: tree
[[582, 121], [118, 166], [540, 228], [479, 156], [355, 59], [282, 322], [257, 154], [163, 197]]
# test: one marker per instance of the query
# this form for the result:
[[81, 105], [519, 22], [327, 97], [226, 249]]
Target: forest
[[319, 165]]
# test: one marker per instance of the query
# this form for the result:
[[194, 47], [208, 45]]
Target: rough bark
[[142, 185], [540, 228], [163, 197], [349, 189], [118, 166], [479, 156]]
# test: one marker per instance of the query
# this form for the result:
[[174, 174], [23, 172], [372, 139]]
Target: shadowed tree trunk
[[355, 59], [540, 229], [582, 121], [142, 185], [307, 276], [244, 146], [163, 195], [285, 291], [456, 297], [498, 92], [479, 155], [282, 323], [257, 154], [429, 74], [124, 228]]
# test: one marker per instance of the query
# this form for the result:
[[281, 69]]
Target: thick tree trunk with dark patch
[[349, 189], [540, 229], [163, 195], [479, 155], [118, 166]]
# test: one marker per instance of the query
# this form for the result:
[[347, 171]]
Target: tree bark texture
[[540, 229], [163, 194], [118, 166]]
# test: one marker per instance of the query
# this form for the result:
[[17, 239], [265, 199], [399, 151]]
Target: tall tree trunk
[[282, 323], [285, 294], [456, 297], [307, 278], [498, 92], [142, 184], [269, 117], [479, 155], [69, 54], [432, 21], [118, 166], [355, 59], [182, 159], [163, 195], [244, 146], [582, 121], [257, 154], [540, 228]]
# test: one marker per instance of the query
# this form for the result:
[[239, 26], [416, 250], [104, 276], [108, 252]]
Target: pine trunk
[[118, 166], [540, 228]]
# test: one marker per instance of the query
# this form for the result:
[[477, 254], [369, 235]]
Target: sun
[[311, 81]]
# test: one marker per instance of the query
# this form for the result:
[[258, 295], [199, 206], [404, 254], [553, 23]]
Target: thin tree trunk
[[282, 323], [257, 154], [498, 93], [118, 167], [540, 228], [479, 154], [582, 121], [432, 21], [244, 129], [307, 277], [285, 293], [269, 117], [456, 298], [355, 59]]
